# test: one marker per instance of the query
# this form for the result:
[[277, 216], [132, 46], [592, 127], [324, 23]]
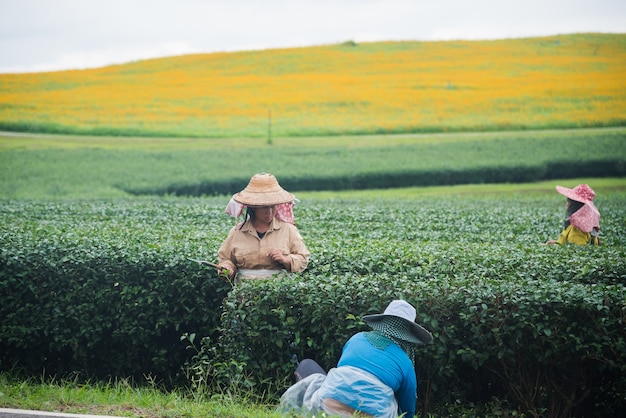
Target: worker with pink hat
[[582, 220]]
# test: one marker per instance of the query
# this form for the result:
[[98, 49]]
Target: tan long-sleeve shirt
[[244, 249]]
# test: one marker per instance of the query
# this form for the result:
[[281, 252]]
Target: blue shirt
[[391, 365]]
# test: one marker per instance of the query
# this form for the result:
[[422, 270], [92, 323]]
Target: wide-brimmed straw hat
[[398, 320], [581, 193], [263, 190]]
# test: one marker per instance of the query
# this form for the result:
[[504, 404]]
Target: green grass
[[120, 398], [26, 141], [600, 186]]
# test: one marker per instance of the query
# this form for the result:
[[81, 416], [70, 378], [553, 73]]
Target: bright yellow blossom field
[[384, 87]]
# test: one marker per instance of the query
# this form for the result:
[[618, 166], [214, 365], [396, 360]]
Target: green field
[[90, 167]]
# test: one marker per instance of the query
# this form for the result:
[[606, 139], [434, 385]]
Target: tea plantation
[[102, 288]]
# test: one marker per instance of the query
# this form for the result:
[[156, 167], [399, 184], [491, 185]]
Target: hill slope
[[386, 87]]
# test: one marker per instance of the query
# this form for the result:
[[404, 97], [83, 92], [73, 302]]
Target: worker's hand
[[278, 256], [227, 269]]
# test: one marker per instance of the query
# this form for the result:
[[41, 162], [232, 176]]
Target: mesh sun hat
[[263, 190], [588, 217], [398, 321]]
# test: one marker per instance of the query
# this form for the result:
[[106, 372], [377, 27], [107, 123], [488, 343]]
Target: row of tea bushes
[[105, 288], [546, 346]]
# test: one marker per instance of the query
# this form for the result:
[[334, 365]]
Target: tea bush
[[104, 288]]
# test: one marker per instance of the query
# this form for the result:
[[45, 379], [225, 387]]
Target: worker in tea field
[[582, 220], [375, 374], [267, 241]]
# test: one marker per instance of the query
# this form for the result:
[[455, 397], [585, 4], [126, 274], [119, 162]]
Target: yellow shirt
[[573, 235], [243, 249]]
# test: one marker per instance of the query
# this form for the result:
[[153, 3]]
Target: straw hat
[[398, 320], [263, 190]]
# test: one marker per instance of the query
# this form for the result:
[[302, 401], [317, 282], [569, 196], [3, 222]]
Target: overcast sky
[[47, 35]]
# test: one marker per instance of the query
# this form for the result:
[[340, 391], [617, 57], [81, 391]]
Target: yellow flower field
[[384, 87]]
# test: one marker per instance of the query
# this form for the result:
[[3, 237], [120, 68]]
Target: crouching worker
[[375, 375]]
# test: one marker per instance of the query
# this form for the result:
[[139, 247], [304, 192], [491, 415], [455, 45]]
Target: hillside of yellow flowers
[[576, 80]]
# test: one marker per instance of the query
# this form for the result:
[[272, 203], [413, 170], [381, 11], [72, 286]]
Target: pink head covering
[[263, 190], [586, 218], [284, 211]]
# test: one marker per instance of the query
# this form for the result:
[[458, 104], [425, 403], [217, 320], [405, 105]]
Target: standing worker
[[267, 241]]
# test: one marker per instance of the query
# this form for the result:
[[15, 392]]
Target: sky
[[50, 35]]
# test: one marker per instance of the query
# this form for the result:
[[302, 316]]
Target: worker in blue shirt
[[375, 374]]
